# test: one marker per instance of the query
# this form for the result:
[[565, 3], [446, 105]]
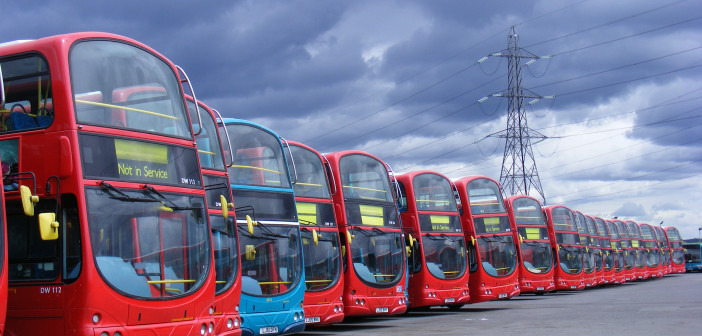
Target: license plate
[[313, 319], [573, 287], [449, 300], [381, 310], [539, 288], [502, 296], [268, 330]]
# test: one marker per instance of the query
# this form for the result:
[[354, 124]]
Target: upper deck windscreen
[[485, 197], [258, 157], [433, 193], [119, 85], [364, 178], [309, 170]]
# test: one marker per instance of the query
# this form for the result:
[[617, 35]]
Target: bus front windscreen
[[271, 263], [497, 254], [693, 254], [322, 259], [377, 256], [258, 157], [570, 259], [148, 246], [537, 256], [444, 255], [309, 174], [120, 85], [226, 251]]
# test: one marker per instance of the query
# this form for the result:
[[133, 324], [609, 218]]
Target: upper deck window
[[364, 178], [258, 157], [485, 197], [433, 193], [122, 86], [311, 179], [28, 94]]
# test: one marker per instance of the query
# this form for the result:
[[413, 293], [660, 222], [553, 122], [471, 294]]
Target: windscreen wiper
[[172, 205], [123, 196]]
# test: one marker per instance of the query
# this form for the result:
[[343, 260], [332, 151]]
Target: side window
[[34, 259], [28, 94], [30, 258]]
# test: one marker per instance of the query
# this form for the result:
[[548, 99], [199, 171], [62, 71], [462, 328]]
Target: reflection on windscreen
[[485, 197], [143, 249], [119, 85], [258, 157]]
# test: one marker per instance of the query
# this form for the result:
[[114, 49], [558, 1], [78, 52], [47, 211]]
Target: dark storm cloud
[[400, 79]]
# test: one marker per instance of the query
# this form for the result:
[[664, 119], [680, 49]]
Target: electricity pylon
[[519, 171]]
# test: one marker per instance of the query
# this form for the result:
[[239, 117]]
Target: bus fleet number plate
[[269, 330], [313, 319], [381, 310]]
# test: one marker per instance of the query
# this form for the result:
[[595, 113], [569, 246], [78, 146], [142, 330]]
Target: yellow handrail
[[169, 281], [125, 108], [258, 168]]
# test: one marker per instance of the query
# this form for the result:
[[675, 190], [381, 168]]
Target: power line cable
[[606, 23]]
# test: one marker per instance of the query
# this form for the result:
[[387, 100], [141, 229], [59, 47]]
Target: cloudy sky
[[401, 80]]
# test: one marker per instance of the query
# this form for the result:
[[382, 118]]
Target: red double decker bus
[[617, 251], [653, 253], [437, 263], [628, 251], [663, 246], [534, 249], [492, 252], [95, 125], [372, 242], [677, 254], [596, 251], [587, 251], [225, 239], [314, 188], [608, 260], [565, 241], [638, 250]]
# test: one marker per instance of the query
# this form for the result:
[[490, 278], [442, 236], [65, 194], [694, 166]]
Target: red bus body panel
[[653, 255], [226, 304], [55, 308], [425, 289], [529, 282], [677, 264], [563, 279], [371, 300], [606, 275], [327, 304], [629, 252], [484, 287]]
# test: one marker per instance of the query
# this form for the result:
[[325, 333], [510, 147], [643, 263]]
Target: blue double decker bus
[[272, 289]]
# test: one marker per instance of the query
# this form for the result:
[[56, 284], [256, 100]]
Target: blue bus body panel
[[264, 313]]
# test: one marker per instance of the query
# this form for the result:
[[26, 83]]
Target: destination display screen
[[487, 225], [105, 157], [371, 215], [309, 213], [440, 223], [533, 233]]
